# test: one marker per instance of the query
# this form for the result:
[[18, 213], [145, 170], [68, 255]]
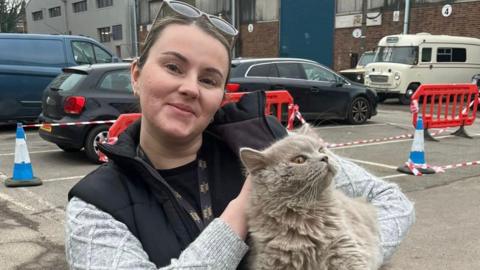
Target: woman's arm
[[95, 240], [395, 212]]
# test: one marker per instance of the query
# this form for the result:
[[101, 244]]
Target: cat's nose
[[324, 159]]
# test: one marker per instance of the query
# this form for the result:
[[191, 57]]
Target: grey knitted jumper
[[95, 240]]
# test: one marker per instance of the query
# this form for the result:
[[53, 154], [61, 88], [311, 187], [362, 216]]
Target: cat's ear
[[252, 159], [306, 129]]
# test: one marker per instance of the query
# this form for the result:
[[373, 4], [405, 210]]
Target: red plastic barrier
[[447, 105], [122, 122], [278, 103]]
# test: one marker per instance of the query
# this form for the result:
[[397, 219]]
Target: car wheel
[[68, 149], [404, 99], [97, 135], [359, 111]]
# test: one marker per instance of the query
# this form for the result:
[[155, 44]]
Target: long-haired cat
[[297, 219]]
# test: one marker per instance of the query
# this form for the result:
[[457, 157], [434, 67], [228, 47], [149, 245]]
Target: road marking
[[11, 200], [63, 178], [394, 176], [401, 125], [28, 142], [34, 152], [373, 163]]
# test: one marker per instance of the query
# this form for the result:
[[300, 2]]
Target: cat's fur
[[297, 219]]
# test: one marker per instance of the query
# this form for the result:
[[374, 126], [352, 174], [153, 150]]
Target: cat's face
[[296, 166]]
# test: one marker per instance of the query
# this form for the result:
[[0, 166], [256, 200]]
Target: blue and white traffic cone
[[22, 170], [416, 164]]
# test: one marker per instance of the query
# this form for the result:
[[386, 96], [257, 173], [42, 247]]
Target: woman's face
[[181, 83]]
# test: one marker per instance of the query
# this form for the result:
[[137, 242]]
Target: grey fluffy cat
[[297, 219]]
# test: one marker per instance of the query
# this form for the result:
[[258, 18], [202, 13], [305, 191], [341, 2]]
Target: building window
[[117, 32], [54, 12], [79, 6], [37, 15], [355, 6], [104, 3], [104, 34]]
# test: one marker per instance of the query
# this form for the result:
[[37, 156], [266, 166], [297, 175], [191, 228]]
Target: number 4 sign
[[446, 10]]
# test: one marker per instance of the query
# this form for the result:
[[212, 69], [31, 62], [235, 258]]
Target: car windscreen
[[66, 81], [402, 55], [366, 58]]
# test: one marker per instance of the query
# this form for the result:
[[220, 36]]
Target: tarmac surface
[[445, 235]]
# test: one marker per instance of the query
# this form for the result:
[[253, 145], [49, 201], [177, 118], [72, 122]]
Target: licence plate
[[46, 127]]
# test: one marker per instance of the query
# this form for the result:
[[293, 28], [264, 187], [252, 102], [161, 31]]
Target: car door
[[291, 77], [114, 94], [328, 96], [257, 77]]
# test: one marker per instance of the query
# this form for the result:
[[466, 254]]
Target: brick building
[[260, 39], [425, 16]]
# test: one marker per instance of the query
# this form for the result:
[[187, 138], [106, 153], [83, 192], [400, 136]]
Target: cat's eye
[[299, 159]]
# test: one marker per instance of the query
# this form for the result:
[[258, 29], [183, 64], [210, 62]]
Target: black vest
[[133, 192]]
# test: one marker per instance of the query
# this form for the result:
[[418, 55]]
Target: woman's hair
[[160, 25]]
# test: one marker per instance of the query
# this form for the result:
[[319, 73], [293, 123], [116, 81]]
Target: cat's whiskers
[[314, 191]]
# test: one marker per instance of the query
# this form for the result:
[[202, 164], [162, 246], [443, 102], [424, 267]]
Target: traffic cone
[[416, 164], [22, 170]]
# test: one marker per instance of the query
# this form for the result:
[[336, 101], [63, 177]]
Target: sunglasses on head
[[176, 8]]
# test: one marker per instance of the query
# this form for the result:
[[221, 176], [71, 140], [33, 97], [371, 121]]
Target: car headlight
[[397, 76], [359, 77]]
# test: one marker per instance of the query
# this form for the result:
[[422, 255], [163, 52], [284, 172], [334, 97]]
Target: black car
[[319, 91], [86, 93]]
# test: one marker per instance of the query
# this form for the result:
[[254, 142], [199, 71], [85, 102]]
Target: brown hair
[[160, 25]]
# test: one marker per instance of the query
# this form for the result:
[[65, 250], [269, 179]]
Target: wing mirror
[[337, 84]]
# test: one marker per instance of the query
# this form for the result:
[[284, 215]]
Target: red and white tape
[[295, 114], [392, 138], [438, 169], [464, 111], [71, 123], [459, 165], [413, 168]]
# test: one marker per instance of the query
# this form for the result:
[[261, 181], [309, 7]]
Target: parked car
[[357, 74], [319, 91], [86, 93], [29, 62]]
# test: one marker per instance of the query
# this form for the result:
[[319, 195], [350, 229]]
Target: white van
[[404, 62]]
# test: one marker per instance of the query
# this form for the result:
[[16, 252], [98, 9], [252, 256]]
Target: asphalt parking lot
[[445, 235]]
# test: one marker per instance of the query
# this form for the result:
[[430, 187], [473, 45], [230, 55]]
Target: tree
[[11, 12]]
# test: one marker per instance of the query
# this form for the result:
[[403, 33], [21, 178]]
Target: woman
[[173, 194]]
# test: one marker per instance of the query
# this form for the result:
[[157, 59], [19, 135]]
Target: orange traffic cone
[[22, 170]]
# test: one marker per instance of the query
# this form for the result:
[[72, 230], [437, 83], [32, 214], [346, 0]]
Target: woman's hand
[[235, 214]]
